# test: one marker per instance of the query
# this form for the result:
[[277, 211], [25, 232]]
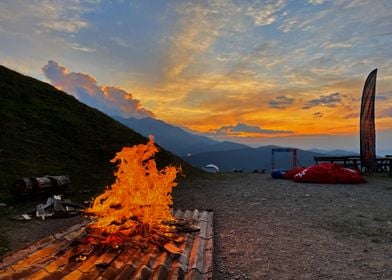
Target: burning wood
[[135, 210]]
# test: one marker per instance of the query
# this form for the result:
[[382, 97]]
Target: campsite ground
[[277, 229]]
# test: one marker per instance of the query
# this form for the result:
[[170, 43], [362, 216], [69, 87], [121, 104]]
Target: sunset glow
[[257, 72]]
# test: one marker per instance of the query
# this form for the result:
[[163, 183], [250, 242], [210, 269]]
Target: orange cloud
[[109, 99]]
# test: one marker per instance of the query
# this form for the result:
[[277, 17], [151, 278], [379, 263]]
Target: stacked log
[[34, 185]]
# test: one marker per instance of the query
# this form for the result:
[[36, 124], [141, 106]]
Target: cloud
[[330, 100], [383, 96], [48, 16], [40, 28], [387, 113], [337, 45], [289, 24], [198, 26], [316, 2], [317, 115], [244, 129], [301, 77], [59, 16], [62, 25], [108, 99], [192, 36], [78, 47], [280, 102], [193, 39], [266, 14], [382, 107], [120, 42], [240, 127], [354, 3]]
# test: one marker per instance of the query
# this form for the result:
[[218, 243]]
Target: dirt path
[[278, 229]]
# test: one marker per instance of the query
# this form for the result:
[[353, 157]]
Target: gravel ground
[[277, 229]]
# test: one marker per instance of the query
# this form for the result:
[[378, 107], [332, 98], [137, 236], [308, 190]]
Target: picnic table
[[347, 161], [384, 164]]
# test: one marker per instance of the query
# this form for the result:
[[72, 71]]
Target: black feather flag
[[367, 124]]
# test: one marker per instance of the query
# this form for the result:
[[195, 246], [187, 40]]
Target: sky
[[284, 72]]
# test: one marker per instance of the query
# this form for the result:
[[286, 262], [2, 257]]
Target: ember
[[136, 208]]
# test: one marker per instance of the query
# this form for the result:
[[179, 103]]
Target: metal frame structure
[[292, 150]]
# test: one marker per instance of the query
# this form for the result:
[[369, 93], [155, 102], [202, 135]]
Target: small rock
[[3, 204]]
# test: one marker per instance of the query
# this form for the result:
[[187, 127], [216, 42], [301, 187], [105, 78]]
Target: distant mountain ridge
[[335, 152], [250, 159], [201, 150], [175, 139]]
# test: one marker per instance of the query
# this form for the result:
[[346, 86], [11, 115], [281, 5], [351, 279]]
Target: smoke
[[111, 100]]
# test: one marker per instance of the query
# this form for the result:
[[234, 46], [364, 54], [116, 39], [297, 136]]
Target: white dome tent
[[211, 168]]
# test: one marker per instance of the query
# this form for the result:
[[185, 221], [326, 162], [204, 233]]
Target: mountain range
[[201, 150], [175, 139]]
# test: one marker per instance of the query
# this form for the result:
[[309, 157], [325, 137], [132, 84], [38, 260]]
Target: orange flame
[[139, 199]]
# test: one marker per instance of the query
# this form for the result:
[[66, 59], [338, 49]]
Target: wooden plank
[[201, 255], [122, 259], [39, 275], [205, 224], [100, 264], [73, 275], [7, 274], [59, 263], [35, 260], [16, 256]]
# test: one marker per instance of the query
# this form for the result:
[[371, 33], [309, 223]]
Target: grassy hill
[[45, 131]]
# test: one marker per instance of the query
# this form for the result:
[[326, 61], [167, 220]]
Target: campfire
[[133, 233], [136, 208]]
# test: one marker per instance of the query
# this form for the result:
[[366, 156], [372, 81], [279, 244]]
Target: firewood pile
[[143, 236]]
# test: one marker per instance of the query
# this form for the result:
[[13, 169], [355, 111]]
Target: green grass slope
[[44, 131]]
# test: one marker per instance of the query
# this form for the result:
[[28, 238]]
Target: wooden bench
[[347, 161], [384, 164]]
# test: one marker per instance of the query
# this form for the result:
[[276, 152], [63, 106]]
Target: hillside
[[46, 131]]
